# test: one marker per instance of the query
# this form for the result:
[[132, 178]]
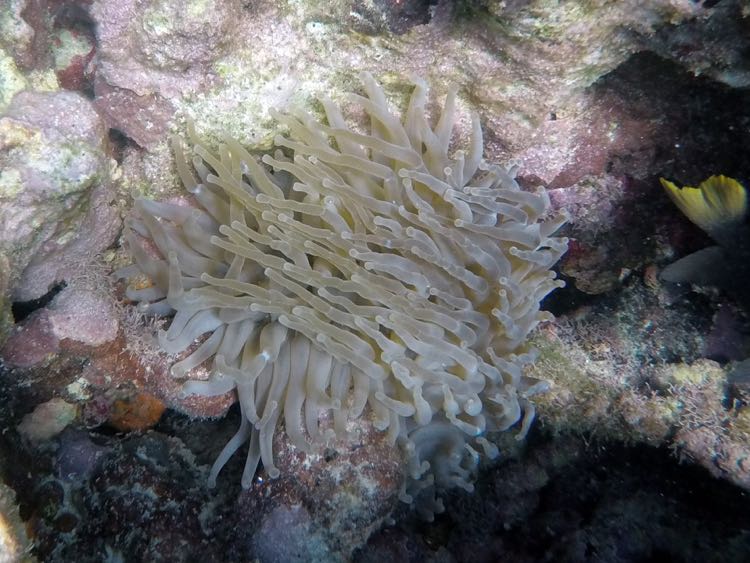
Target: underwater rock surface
[[56, 207], [648, 406]]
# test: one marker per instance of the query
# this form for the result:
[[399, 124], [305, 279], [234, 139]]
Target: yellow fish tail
[[717, 204]]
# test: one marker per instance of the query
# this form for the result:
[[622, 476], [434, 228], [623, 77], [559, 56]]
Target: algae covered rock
[[56, 208]]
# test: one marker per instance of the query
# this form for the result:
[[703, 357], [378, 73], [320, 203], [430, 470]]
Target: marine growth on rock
[[355, 271]]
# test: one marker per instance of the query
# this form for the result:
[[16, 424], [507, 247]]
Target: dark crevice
[[118, 142], [566, 299], [22, 309]]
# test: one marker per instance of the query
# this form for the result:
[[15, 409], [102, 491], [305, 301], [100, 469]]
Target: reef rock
[[56, 208]]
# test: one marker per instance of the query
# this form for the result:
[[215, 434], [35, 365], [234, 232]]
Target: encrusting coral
[[370, 270]]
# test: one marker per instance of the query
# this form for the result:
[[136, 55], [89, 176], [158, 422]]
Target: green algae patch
[[11, 80], [10, 183]]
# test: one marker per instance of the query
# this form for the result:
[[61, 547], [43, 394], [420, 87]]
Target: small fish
[[718, 206]]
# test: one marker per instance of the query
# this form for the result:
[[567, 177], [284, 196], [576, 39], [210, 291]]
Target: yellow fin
[[716, 203]]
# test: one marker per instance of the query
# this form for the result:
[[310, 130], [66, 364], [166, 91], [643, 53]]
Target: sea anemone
[[370, 272]]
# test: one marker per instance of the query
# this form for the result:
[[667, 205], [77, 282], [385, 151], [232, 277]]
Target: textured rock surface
[[325, 504], [56, 207], [715, 46], [47, 420], [559, 85], [16, 35], [150, 51], [14, 543], [568, 501], [161, 46]]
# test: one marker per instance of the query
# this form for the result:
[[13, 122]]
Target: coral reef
[[644, 380], [113, 486], [569, 501], [56, 199], [150, 52], [620, 223], [335, 499], [57, 210], [714, 46], [17, 35], [596, 100]]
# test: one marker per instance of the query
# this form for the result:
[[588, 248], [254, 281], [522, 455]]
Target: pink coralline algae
[[56, 199], [76, 314], [151, 51]]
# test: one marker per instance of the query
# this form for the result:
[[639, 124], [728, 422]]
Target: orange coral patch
[[137, 413]]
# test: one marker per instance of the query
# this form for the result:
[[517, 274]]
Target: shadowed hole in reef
[[118, 142], [22, 309], [571, 499], [566, 299]]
